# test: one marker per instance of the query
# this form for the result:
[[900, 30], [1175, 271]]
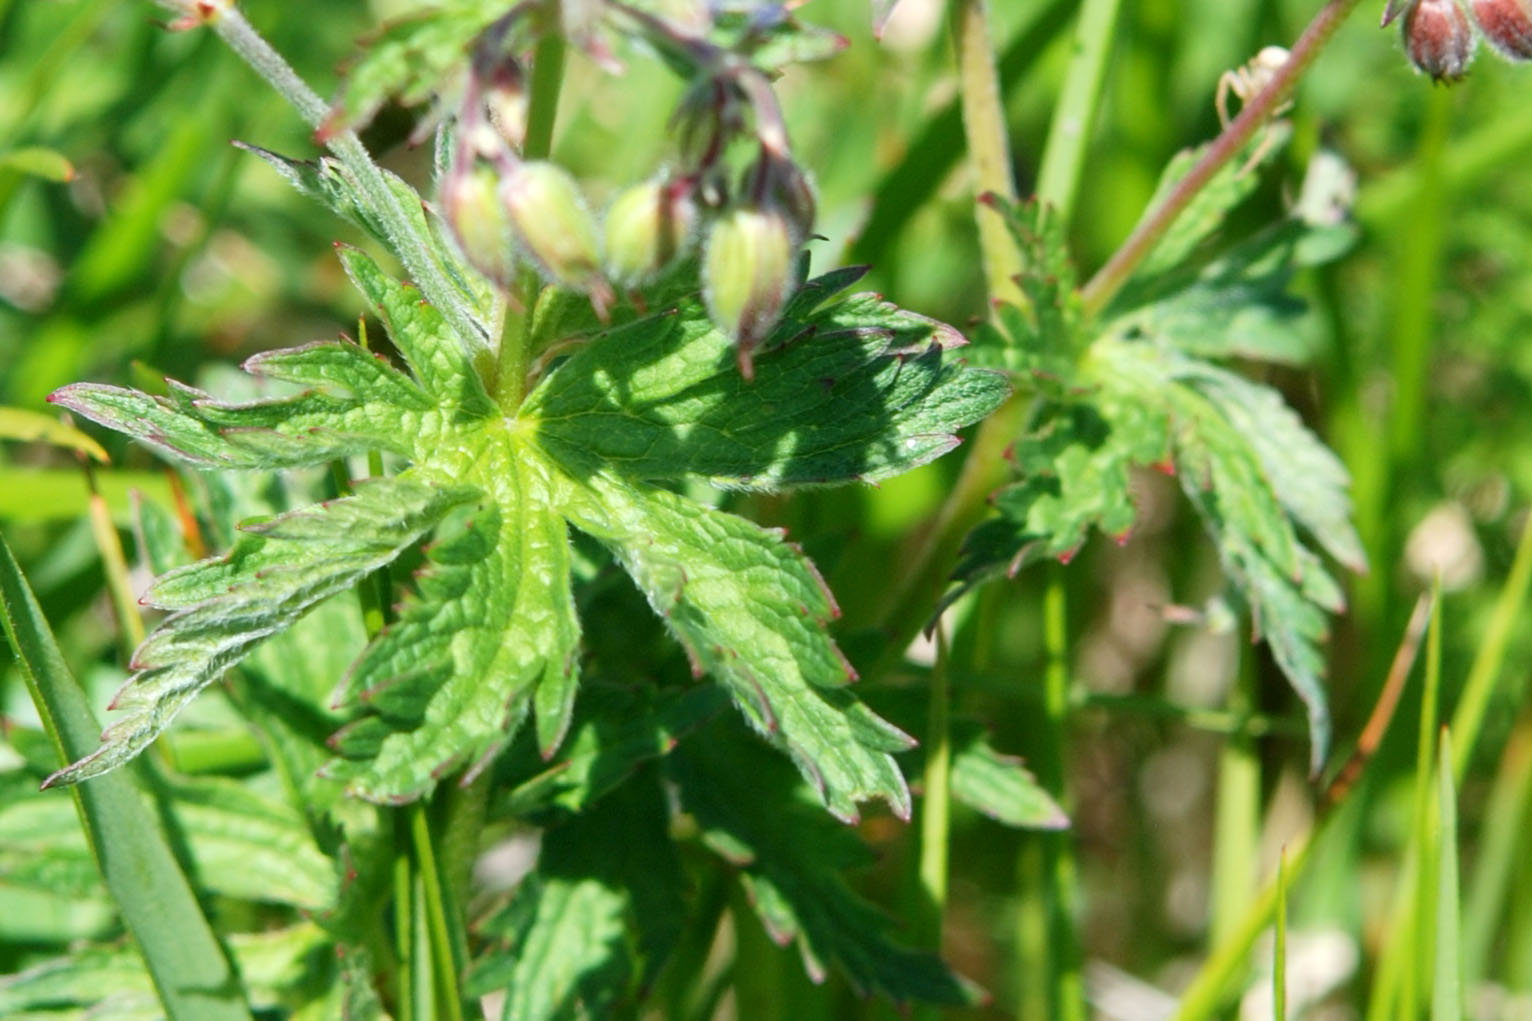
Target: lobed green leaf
[[225, 605], [490, 630], [595, 920], [853, 390], [751, 611]]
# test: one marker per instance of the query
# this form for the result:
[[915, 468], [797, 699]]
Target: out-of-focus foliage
[[170, 252]]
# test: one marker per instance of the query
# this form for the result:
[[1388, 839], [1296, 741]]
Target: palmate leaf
[[758, 816], [487, 634], [1139, 394]]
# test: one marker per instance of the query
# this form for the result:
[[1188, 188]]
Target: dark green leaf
[[615, 732], [760, 817], [595, 920], [856, 389]]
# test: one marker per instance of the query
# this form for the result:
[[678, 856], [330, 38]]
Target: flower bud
[[552, 223], [748, 271], [478, 221], [1439, 39], [1507, 24], [647, 227], [785, 186]]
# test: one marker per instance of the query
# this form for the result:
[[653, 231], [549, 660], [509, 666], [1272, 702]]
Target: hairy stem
[[413, 250], [514, 353], [988, 144], [1102, 287]]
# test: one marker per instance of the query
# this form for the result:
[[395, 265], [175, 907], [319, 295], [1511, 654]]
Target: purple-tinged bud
[[748, 269], [647, 227], [478, 222], [552, 223], [775, 180], [1507, 24], [1439, 39], [506, 102]]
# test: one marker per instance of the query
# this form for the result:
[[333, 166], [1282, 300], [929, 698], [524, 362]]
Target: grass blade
[[1447, 994], [190, 971]]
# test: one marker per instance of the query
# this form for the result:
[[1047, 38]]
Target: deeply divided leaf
[[226, 604], [485, 634], [1140, 395]]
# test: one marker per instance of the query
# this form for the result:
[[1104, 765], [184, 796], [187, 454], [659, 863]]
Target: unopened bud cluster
[[1440, 36], [506, 211]]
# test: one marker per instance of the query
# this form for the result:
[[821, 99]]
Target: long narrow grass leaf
[[190, 971], [1447, 997]]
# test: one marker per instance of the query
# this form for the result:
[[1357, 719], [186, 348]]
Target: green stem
[[1468, 718], [1102, 287], [988, 144], [547, 81], [935, 804], [1067, 980], [1236, 820], [412, 248], [515, 350], [1074, 116], [404, 927]]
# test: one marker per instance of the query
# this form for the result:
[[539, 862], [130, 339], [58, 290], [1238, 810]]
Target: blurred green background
[[170, 251]]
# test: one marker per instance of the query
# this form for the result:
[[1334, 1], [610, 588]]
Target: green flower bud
[[647, 227], [478, 222], [552, 223], [748, 269]]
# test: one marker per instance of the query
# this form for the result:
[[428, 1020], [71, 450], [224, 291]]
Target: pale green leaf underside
[[1256, 475], [490, 630], [327, 181], [355, 403], [999, 785]]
